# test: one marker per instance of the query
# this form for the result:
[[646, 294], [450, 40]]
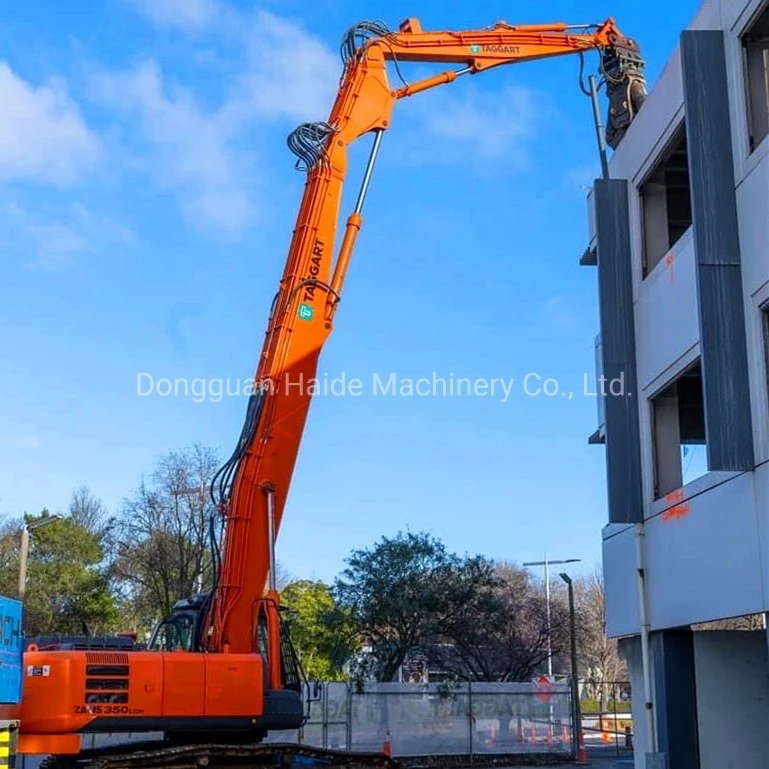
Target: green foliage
[[321, 631], [493, 624], [590, 706], [395, 593], [67, 589]]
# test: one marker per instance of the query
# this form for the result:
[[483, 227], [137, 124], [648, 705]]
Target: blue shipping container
[[10, 650]]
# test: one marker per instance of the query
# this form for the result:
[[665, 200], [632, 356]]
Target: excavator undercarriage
[[162, 755]]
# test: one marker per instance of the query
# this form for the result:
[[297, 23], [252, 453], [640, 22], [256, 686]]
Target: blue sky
[[147, 199]]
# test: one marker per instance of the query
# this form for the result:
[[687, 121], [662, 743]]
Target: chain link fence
[[607, 714], [437, 719]]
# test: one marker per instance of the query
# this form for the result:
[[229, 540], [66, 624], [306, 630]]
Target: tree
[[494, 627], [283, 577], [87, 511], [322, 632], [392, 593], [67, 588], [746, 622], [163, 535], [600, 663], [10, 543]]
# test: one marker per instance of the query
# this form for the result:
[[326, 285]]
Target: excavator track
[[160, 755]]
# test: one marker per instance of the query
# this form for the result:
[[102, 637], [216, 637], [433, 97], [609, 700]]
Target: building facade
[[680, 235]]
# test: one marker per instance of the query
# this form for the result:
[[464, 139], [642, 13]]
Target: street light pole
[[574, 672], [24, 552], [547, 564], [23, 558], [549, 623]]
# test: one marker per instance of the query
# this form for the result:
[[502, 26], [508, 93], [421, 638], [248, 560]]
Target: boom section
[[479, 49], [252, 491]]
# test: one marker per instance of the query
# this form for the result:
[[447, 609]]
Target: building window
[[667, 212], [680, 447], [755, 43]]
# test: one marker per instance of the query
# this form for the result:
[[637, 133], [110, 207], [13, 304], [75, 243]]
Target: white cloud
[[489, 131], [197, 151], [31, 442], [43, 137], [560, 313], [494, 125], [290, 73], [188, 15], [56, 241], [190, 151], [287, 72], [582, 176]]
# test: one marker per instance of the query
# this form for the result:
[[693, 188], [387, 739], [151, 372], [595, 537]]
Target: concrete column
[[630, 651], [732, 698], [675, 697]]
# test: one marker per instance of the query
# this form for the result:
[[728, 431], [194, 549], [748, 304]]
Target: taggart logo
[[504, 49]]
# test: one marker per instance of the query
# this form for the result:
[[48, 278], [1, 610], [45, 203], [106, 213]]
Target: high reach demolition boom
[[222, 666], [252, 488]]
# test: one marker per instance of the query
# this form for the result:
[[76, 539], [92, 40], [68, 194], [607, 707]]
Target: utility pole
[[23, 557], [547, 564], [24, 551]]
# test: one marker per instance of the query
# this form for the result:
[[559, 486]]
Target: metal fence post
[[324, 716], [348, 725], [470, 710]]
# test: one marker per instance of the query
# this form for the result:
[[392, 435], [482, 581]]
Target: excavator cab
[[182, 630]]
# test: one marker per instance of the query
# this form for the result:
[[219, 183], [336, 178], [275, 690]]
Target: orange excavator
[[220, 672]]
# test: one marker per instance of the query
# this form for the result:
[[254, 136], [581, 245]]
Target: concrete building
[[681, 236]]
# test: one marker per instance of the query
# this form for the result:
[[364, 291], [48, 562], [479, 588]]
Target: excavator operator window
[[264, 645], [174, 634]]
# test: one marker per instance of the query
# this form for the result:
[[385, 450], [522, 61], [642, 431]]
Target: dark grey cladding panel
[[623, 449], [709, 144], [675, 704], [723, 342], [725, 382]]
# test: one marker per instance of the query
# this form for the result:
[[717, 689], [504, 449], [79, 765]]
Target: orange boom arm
[[252, 488]]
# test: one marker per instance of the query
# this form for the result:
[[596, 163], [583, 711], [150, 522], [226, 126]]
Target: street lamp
[[24, 554], [546, 563], [574, 673]]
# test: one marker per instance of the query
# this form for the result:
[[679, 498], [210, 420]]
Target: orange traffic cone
[[565, 737], [605, 736], [387, 748], [582, 755]]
